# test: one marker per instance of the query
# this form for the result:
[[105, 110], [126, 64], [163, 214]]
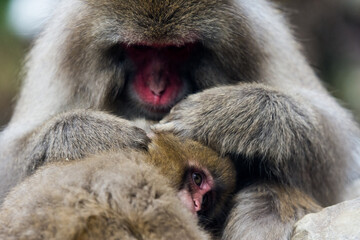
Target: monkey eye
[[197, 178]]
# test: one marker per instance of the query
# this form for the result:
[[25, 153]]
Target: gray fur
[[267, 210], [252, 95]]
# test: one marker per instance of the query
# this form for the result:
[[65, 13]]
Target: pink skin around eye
[[193, 200]]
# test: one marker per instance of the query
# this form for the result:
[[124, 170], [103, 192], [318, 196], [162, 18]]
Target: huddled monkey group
[[220, 75], [123, 195]]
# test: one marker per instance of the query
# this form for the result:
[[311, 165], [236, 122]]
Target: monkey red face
[[197, 194], [158, 81]]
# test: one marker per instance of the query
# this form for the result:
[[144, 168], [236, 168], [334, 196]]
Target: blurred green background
[[330, 33], [12, 50], [329, 30]]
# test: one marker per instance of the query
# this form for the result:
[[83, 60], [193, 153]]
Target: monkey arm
[[287, 135], [283, 139], [267, 211], [71, 135]]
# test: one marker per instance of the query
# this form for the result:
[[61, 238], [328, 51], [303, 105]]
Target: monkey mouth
[[159, 110], [156, 107]]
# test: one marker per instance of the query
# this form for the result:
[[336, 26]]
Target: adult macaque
[[123, 195], [251, 95]]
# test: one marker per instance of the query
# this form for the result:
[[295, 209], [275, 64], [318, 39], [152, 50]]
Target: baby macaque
[[123, 195]]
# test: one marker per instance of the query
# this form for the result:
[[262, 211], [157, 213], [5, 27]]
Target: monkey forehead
[[172, 22], [183, 153]]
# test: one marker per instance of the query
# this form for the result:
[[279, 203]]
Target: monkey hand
[[79, 133], [247, 120]]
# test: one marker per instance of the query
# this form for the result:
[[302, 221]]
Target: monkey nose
[[157, 87], [197, 204], [157, 92]]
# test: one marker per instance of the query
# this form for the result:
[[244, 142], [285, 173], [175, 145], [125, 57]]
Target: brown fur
[[126, 195], [251, 95]]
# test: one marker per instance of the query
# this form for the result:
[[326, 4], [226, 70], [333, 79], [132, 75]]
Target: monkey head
[[203, 179], [149, 55]]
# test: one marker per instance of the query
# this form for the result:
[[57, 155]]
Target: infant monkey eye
[[197, 178]]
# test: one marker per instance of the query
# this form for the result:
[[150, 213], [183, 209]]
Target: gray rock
[[338, 222]]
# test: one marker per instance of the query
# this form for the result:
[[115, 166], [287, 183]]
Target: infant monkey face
[[203, 179]]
